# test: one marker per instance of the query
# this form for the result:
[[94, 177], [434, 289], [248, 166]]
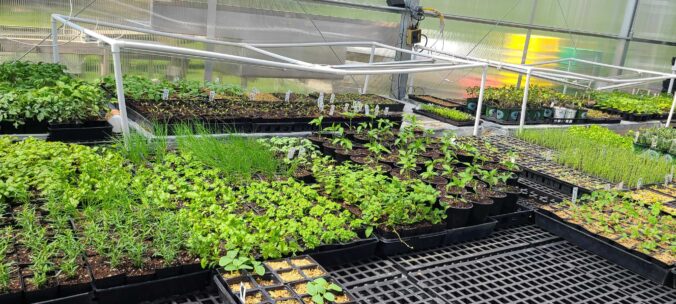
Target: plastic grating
[[401, 290], [542, 193], [207, 296], [523, 276], [609, 273], [360, 273], [498, 242]]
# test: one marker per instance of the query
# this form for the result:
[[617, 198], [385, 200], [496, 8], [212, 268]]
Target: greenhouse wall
[[495, 29]]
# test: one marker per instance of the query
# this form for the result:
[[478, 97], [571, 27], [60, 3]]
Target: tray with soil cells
[[449, 103], [368, 99], [284, 281], [604, 233], [449, 121], [657, 194]]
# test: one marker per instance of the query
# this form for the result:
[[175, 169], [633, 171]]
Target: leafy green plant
[[321, 290], [451, 114], [233, 262]]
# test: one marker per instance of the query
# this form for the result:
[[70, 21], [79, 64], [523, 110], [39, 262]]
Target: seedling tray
[[552, 182], [603, 121], [134, 293], [634, 261], [344, 253], [438, 101], [88, 131], [469, 233], [541, 193], [394, 246], [444, 119], [521, 217]]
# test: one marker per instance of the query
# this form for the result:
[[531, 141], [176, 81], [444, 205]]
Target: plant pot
[[472, 103], [559, 113], [507, 114], [509, 203], [436, 181], [499, 199], [329, 149], [482, 207], [317, 141], [458, 213], [547, 112]]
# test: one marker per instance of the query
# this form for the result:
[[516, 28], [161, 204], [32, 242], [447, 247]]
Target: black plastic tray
[[552, 182], [387, 247], [611, 251], [88, 131], [523, 216], [134, 293], [84, 298], [444, 119], [345, 253], [469, 233]]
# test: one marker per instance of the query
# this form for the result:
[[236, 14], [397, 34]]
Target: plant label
[[287, 96], [367, 111], [346, 108], [332, 98], [376, 110], [620, 186], [242, 292], [301, 152], [320, 104], [574, 198], [387, 111], [606, 187], [321, 98], [217, 80], [639, 183], [332, 109], [165, 94], [636, 136], [653, 142], [548, 155], [212, 95], [291, 152]]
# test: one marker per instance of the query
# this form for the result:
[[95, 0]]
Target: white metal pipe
[[388, 66], [55, 42], [671, 82], [383, 63], [671, 112], [526, 89], [119, 86], [366, 79], [620, 67], [479, 104], [77, 27]]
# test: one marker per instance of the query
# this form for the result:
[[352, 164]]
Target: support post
[[671, 81], [479, 104], [671, 112], [117, 69], [366, 79], [565, 87], [212, 10], [522, 120], [399, 81], [527, 42], [55, 42], [626, 32]]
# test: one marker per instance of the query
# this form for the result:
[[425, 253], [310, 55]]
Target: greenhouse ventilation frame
[[565, 77], [396, 67]]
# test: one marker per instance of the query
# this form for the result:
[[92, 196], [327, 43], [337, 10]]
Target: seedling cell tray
[[523, 216], [345, 253], [88, 131], [652, 270], [84, 298], [554, 183], [134, 293], [444, 119], [394, 246], [436, 101], [468, 233]]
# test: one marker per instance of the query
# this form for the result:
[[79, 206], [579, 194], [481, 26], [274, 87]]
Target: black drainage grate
[[363, 272]]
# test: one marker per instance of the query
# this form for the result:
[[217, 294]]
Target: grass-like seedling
[[451, 114], [237, 156]]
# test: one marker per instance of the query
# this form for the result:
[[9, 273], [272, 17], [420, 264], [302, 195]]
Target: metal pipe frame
[[117, 45]]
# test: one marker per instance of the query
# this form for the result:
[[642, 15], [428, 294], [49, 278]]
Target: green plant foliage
[[451, 114], [660, 139], [321, 290], [142, 88], [601, 152], [635, 104]]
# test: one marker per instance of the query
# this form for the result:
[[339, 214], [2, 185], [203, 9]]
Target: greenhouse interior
[[337, 151]]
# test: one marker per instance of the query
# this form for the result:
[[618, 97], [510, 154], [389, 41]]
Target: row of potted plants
[[659, 139], [35, 94], [632, 106]]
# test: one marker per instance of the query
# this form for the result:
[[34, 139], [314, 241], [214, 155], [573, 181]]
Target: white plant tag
[[653, 142], [620, 186], [346, 108], [548, 155], [217, 80], [376, 110], [332, 109], [367, 110], [287, 97], [636, 135], [574, 198], [320, 104], [165, 94], [387, 111], [321, 98], [639, 183], [291, 152], [607, 187], [242, 292], [212, 95], [332, 98], [301, 152]]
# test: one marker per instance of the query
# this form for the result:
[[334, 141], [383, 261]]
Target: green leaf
[[335, 287], [318, 299], [259, 269], [369, 231], [330, 297]]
